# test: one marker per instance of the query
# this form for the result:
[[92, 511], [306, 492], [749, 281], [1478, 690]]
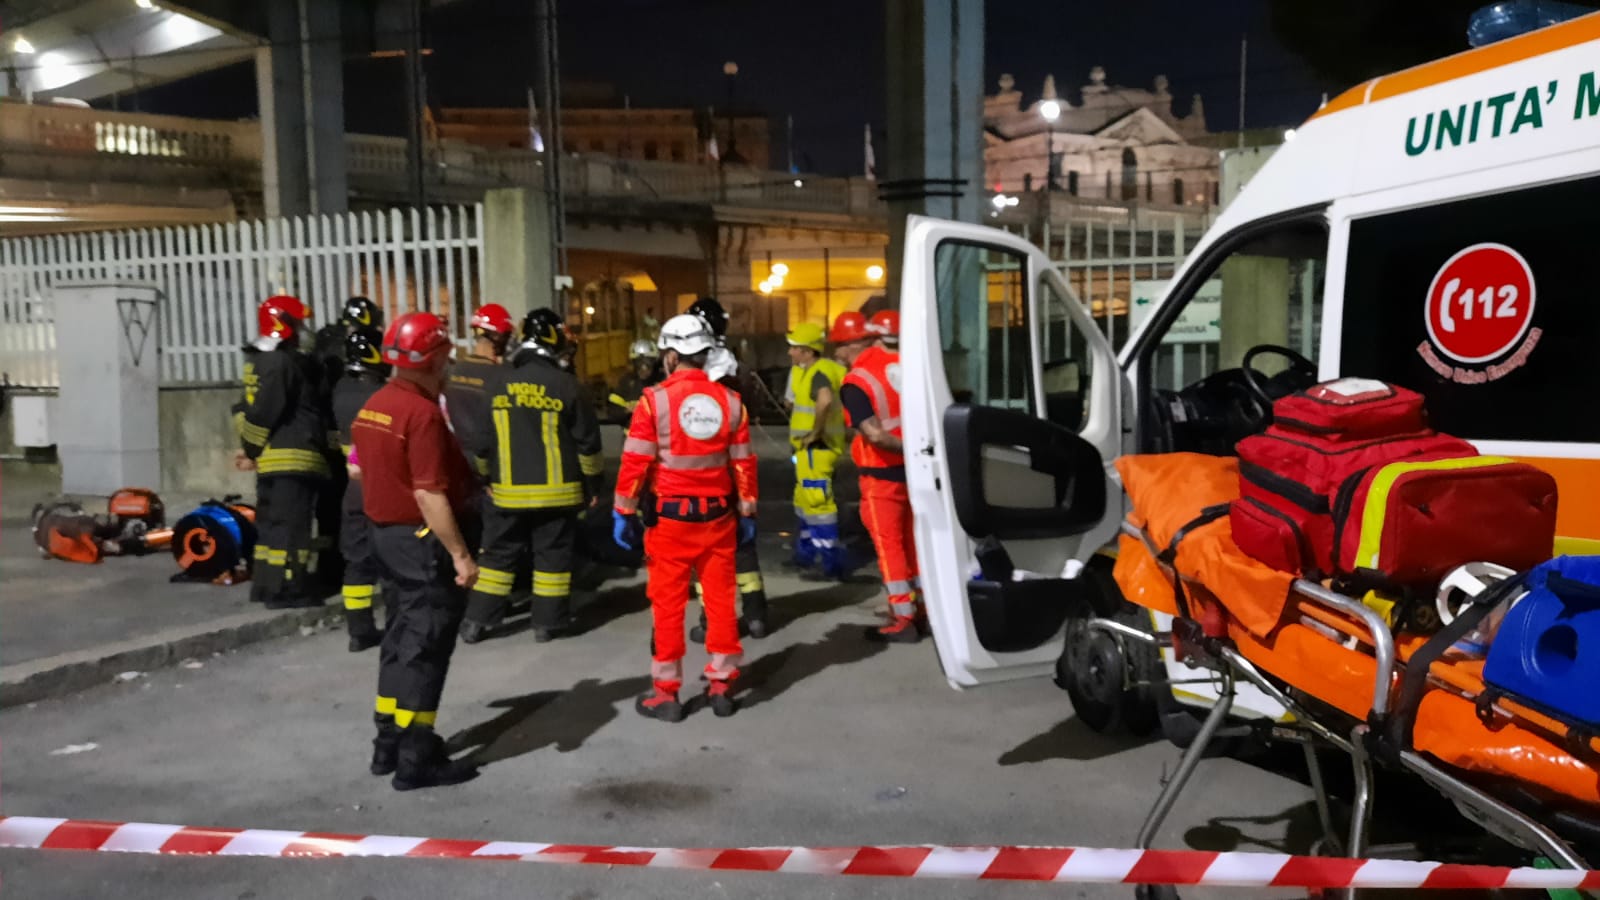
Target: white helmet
[[641, 349], [686, 334]]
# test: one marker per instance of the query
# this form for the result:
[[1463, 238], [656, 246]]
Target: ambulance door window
[[992, 354], [1265, 289]]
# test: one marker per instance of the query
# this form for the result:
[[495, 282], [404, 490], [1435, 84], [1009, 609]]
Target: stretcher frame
[[1494, 816]]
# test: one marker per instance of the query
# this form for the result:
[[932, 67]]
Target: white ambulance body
[[1437, 228]]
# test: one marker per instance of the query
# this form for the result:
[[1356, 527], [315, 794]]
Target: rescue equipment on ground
[[215, 542], [133, 524]]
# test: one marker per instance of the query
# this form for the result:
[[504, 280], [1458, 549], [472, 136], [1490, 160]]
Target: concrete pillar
[[516, 252], [1255, 308], [283, 113], [324, 104], [935, 104]]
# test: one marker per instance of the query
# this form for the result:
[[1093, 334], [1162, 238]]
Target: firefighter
[[365, 373], [418, 494], [644, 370], [329, 350], [723, 367], [544, 462], [466, 395], [690, 439], [816, 434], [283, 427], [871, 398]]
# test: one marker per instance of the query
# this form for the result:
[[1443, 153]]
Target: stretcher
[[1332, 664]]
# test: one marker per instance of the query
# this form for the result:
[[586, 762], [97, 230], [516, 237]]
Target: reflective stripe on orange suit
[[661, 452], [885, 504]]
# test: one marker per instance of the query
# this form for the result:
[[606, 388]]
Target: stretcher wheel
[[1109, 679]]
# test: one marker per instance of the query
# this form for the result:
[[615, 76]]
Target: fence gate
[[212, 276]]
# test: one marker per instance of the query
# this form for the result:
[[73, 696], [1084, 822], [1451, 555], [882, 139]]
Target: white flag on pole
[[871, 161]]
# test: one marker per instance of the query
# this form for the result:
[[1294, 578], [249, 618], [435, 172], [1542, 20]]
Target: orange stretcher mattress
[[1264, 618]]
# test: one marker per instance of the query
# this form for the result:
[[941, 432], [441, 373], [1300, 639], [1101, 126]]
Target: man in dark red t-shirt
[[418, 496]]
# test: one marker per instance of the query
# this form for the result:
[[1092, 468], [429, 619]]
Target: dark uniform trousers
[[427, 609], [328, 545], [510, 536], [752, 590], [285, 507], [361, 571]]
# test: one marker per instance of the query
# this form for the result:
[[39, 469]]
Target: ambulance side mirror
[[1019, 477]]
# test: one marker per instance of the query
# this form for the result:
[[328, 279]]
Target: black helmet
[[363, 351], [361, 311], [709, 309], [544, 332]]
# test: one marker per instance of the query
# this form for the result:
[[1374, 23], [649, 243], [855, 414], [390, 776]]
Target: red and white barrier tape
[[1060, 864]]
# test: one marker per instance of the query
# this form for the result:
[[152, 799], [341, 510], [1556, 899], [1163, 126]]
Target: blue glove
[[747, 529], [624, 529]]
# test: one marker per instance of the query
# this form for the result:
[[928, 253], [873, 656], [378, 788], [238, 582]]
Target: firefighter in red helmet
[[871, 398], [419, 494], [466, 397], [283, 424]]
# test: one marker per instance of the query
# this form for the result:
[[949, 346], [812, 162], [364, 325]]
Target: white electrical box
[[30, 420], [107, 416]]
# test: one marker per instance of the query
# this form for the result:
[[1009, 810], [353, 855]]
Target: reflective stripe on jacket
[[692, 438], [877, 372]]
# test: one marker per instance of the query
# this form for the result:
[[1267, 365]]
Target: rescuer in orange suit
[[689, 441], [871, 398]]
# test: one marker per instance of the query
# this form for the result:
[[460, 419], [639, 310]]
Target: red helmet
[[888, 321], [851, 327], [282, 316], [414, 340], [493, 318]]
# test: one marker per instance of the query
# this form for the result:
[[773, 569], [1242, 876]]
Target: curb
[[69, 673]]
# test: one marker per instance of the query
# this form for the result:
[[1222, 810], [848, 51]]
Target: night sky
[[821, 62]]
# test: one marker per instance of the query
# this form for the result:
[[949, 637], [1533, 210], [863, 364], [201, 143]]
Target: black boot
[[386, 746], [473, 632], [755, 614], [424, 763], [543, 634], [698, 632], [364, 633]]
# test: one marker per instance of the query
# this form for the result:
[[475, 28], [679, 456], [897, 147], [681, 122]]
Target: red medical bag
[[1320, 437], [1408, 523]]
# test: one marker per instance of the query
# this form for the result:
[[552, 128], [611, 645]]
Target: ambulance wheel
[[1109, 678]]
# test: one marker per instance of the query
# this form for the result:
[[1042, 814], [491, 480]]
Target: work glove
[[747, 529], [625, 530]]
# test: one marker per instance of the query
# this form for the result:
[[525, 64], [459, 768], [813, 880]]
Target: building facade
[[1114, 142]]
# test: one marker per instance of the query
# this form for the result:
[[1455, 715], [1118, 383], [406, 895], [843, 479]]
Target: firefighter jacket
[[328, 348], [803, 417], [877, 373], [283, 421], [466, 402], [349, 395], [691, 438], [543, 447]]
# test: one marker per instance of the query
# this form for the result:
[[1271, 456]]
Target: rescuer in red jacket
[[871, 398], [689, 442]]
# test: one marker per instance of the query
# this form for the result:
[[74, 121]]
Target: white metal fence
[[211, 278]]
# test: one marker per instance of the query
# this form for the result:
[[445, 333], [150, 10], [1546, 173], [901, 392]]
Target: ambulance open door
[[1012, 417]]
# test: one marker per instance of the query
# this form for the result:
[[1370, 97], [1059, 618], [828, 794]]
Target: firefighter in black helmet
[[544, 463], [332, 356], [723, 368], [364, 373], [283, 428]]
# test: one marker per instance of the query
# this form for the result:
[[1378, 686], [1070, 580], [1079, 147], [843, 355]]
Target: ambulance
[[1437, 228]]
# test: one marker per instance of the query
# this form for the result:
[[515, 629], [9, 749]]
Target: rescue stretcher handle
[[1382, 640]]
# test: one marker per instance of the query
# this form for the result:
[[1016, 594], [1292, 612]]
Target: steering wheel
[[1301, 374]]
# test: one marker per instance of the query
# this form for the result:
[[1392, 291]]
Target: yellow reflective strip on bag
[[1372, 515]]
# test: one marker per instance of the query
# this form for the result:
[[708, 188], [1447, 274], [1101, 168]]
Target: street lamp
[[1051, 111]]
